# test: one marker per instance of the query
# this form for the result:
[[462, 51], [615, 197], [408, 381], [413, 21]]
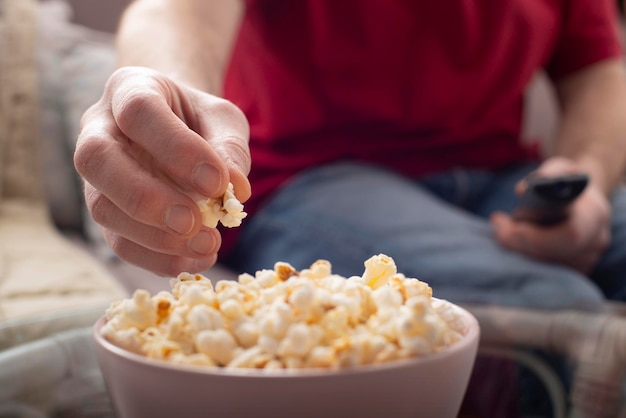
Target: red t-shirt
[[418, 86]]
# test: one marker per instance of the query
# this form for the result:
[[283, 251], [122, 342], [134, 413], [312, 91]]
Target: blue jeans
[[436, 229]]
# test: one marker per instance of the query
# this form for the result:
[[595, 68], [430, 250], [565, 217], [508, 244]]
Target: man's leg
[[345, 213]]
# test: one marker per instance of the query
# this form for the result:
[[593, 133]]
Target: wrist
[[598, 175]]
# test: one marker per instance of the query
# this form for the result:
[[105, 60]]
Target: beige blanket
[[41, 271], [47, 283]]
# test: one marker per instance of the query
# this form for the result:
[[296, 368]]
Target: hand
[[147, 151], [577, 242]]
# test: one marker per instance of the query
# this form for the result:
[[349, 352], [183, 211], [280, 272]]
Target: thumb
[[502, 226], [234, 151]]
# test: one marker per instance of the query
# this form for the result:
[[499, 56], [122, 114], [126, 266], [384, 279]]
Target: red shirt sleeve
[[590, 32]]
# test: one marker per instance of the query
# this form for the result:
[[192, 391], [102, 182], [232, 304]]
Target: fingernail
[[180, 219], [207, 179], [203, 243]]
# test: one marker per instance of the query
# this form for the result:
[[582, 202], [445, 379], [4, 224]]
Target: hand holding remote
[[562, 217], [547, 199]]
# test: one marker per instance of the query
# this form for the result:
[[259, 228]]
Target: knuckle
[[125, 74], [166, 243], [119, 75], [224, 106], [229, 111], [239, 151], [98, 206], [133, 106], [136, 203], [120, 246], [90, 113], [88, 154]]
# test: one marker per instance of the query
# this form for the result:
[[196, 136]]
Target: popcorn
[[203, 317], [378, 270], [302, 297], [227, 210], [232, 309], [273, 326], [218, 345], [321, 357], [253, 358], [246, 332], [298, 341], [285, 319]]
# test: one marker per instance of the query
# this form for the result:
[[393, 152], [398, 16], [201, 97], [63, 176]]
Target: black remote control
[[546, 199]]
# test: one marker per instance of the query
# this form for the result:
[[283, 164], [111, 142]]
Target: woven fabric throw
[[19, 101]]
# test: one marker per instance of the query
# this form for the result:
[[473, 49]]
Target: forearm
[[191, 41], [593, 128]]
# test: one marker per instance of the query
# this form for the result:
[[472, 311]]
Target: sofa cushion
[[73, 65]]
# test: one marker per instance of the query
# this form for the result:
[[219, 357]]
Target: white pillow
[[74, 64]]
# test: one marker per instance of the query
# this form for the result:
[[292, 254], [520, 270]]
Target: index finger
[[526, 238], [153, 117]]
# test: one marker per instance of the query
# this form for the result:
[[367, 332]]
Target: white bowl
[[429, 387]]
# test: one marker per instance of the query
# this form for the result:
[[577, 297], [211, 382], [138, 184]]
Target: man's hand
[[578, 242], [148, 150]]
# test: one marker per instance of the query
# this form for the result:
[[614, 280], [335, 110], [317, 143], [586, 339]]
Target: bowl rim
[[471, 336]]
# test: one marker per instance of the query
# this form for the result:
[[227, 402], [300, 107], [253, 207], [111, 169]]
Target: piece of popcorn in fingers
[[211, 211], [227, 210]]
